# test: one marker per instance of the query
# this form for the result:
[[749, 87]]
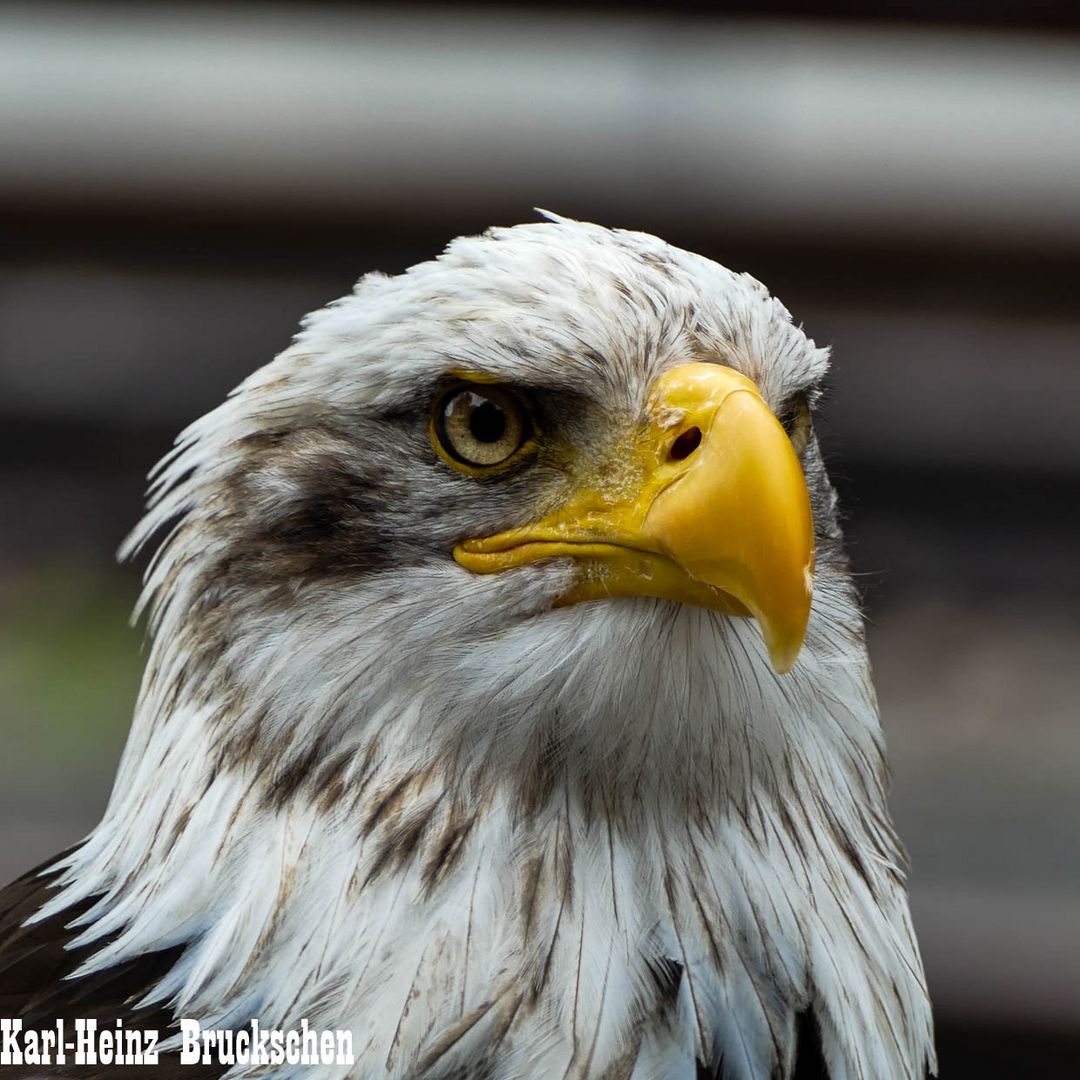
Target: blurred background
[[180, 183]]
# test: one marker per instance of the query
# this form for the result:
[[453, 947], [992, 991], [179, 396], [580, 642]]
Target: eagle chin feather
[[490, 836]]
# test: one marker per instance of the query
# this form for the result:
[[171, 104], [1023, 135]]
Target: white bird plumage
[[488, 837]]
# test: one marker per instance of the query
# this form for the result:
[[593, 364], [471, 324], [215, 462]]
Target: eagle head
[[507, 701]]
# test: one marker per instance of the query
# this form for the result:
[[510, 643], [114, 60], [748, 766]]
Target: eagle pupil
[[487, 423]]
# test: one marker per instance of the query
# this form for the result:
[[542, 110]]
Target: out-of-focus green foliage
[[69, 669]]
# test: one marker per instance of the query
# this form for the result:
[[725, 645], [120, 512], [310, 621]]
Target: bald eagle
[[507, 703]]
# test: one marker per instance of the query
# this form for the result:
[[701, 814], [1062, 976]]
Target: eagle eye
[[479, 426]]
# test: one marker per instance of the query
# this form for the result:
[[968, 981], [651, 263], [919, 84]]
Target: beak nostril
[[685, 444]]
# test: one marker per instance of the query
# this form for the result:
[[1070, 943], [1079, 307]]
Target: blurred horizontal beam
[[997, 953], [789, 128], [926, 387]]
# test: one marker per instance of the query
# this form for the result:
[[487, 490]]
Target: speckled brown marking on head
[[241, 744], [387, 802], [398, 844], [180, 825], [659, 263], [265, 440], [445, 849], [530, 893], [539, 780], [293, 774], [328, 783]]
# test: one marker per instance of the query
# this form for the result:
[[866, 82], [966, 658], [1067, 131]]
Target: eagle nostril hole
[[685, 444]]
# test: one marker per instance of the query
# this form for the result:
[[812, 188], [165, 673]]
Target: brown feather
[[35, 962]]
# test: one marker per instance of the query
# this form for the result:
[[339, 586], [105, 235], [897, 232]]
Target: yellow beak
[[707, 505]]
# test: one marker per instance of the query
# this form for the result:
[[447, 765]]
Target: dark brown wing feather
[[34, 963]]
